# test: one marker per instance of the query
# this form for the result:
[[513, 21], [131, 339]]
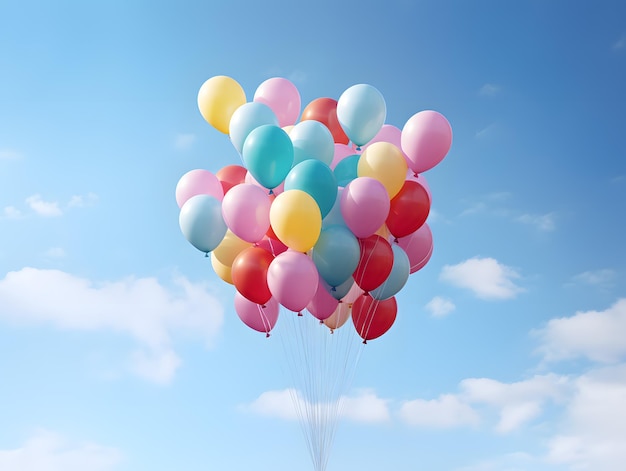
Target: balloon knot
[[299, 314], [358, 148], [334, 289], [271, 191], [206, 254], [332, 331], [415, 174], [263, 306], [395, 239], [267, 335], [364, 342]]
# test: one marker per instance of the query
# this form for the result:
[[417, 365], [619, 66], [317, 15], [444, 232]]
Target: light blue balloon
[[312, 140], [202, 223], [346, 170], [268, 155], [246, 118], [398, 277], [334, 217], [315, 178], [340, 291], [336, 254], [361, 112]]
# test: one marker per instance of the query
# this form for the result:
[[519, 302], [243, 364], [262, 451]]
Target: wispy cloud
[[602, 278], [490, 90], [9, 154], [543, 222], [142, 308], [55, 252], [11, 212], [184, 141], [43, 208], [485, 277], [440, 306], [82, 201], [50, 451]]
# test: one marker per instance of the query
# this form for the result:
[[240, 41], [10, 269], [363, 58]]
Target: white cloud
[[490, 89], [596, 335], [9, 154], [184, 141], [48, 451], [139, 307], [43, 208], [447, 411], [485, 277], [543, 222], [440, 307], [602, 277], [82, 201], [11, 212], [365, 407], [517, 461]]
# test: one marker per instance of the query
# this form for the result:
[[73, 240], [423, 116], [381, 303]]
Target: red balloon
[[324, 110], [249, 274], [408, 210], [231, 175], [375, 262], [373, 318]]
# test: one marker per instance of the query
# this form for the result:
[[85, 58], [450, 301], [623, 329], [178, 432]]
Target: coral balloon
[[375, 262], [230, 176], [257, 317], [339, 317], [249, 274], [384, 162], [324, 110], [373, 318], [408, 210], [296, 219], [426, 139], [283, 97], [218, 98]]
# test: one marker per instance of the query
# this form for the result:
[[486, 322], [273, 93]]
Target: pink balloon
[[364, 206], [323, 303], [341, 152], [418, 246], [426, 139], [255, 316], [282, 96], [198, 182], [278, 190], [293, 279], [246, 211]]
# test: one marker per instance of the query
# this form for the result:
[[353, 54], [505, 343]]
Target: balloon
[[246, 118], [421, 179], [293, 279], [353, 293], [257, 317], [334, 216], [426, 139], [282, 96], [268, 155], [361, 111], [324, 110], [317, 179], [375, 262], [342, 290], [336, 254], [397, 278], [339, 317], [246, 211], [312, 140], [418, 246], [275, 191], [201, 222], [231, 175], [221, 270], [198, 182], [373, 318], [364, 205], [323, 304], [408, 210], [384, 162], [387, 133], [272, 245], [296, 219], [346, 170], [229, 248], [249, 274], [218, 98], [341, 152]]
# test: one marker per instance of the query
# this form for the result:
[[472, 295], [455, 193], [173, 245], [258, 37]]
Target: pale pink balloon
[[341, 152], [364, 206], [292, 279], [426, 139], [198, 182], [246, 211], [283, 97], [354, 292], [339, 317], [418, 246], [323, 303], [255, 316]]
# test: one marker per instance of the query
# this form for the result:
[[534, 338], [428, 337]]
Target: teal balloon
[[361, 112], [346, 170], [336, 254], [201, 222], [312, 140], [268, 155], [334, 217], [246, 118], [398, 277], [315, 178]]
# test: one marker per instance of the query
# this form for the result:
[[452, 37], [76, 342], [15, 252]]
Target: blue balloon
[[268, 154], [246, 118], [346, 170], [361, 112], [315, 178], [334, 216], [336, 254], [398, 277], [202, 223], [312, 140], [340, 291]]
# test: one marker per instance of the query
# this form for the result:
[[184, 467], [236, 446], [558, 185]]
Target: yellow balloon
[[383, 231], [296, 219], [218, 99], [223, 271], [384, 162], [229, 248]]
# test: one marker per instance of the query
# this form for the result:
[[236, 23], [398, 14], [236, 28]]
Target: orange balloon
[[324, 110], [339, 317]]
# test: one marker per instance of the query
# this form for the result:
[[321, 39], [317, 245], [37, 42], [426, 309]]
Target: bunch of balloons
[[327, 213]]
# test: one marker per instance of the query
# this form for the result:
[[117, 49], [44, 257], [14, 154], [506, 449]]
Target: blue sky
[[121, 349]]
